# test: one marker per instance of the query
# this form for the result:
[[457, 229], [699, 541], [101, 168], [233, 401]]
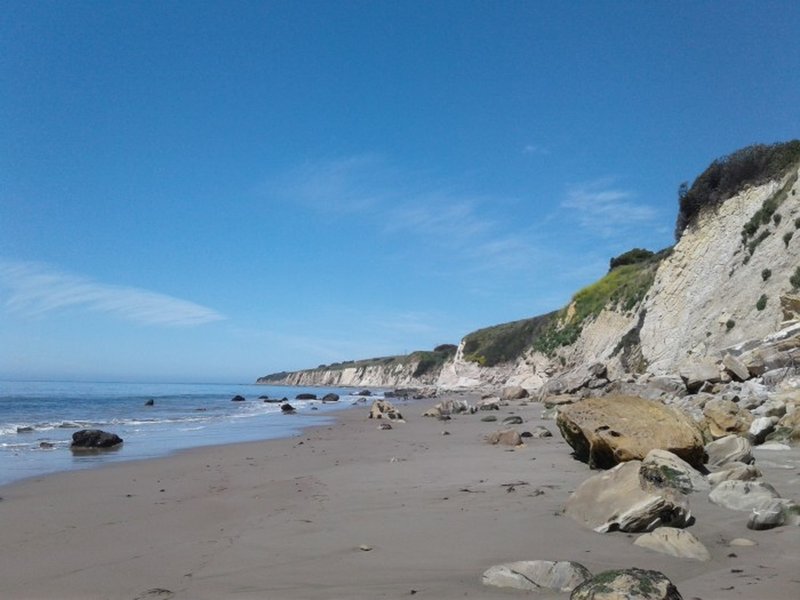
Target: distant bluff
[[730, 281]]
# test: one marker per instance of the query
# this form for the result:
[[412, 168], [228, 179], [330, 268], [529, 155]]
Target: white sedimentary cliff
[[717, 289]]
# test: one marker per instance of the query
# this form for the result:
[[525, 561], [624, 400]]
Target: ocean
[[37, 420]]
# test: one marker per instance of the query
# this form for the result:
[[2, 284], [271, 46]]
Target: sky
[[213, 191]]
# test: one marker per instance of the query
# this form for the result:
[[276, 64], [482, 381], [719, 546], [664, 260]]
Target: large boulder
[[662, 468], [537, 575], [93, 439], [727, 450], [383, 409], [331, 397], [305, 397], [674, 542], [612, 429], [742, 495], [505, 437], [447, 407], [577, 381], [725, 417], [617, 500], [734, 470], [696, 374], [514, 392], [627, 584]]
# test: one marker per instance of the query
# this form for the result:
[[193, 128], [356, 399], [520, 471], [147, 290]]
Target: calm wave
[[37, 419]]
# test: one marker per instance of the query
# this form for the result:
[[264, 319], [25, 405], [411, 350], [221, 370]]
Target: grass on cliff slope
[[503, 343], [622, 288]]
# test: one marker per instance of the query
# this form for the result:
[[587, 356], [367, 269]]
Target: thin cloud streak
[[35, 290], [606, 210], [366, 186]]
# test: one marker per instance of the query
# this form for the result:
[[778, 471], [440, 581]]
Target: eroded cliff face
[[706, 295], [718, 288], [715, 290], [398, 375]]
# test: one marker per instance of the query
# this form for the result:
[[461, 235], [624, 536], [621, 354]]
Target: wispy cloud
[[409, 204], [605, 208], [534, 149], [35, 289]]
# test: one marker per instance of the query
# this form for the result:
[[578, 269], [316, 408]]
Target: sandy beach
[[351, 511]]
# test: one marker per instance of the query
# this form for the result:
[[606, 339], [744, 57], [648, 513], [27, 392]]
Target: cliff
[[726, 284]]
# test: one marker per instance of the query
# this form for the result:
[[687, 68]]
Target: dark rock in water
[[364, 393], [94, 438], [200, 409], [237, 399], [287, 409], [25, 429], [150, 402], [265, 397], [46, 445], [305, 397], [273, 400], [330, 397]]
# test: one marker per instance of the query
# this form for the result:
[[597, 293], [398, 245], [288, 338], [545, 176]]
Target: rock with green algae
[[627, 584]]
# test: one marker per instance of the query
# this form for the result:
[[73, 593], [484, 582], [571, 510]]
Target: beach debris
[[513, 420], [505, 437], [537, 575], [287, 409], [383, 409], [238, 398], [155, 593], [489, 419], [608, 430], [633, 584], [330, 397], [674, 542], [365, 548], [91, 439], [385, 426], [150, 402], [618, 500]]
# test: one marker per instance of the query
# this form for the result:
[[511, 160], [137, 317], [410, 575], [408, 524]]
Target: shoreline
[[288, 518]]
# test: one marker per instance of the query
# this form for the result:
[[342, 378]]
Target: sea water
[[37, 420]]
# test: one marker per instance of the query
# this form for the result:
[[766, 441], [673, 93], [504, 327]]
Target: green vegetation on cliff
[[622, 288], [502, 343], [729, 175]]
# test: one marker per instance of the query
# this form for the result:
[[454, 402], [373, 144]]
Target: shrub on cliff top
[[727, 176]]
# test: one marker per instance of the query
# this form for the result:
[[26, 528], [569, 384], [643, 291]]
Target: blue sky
[[211, 191]]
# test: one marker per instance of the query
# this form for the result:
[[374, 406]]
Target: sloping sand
[[349, 511]]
